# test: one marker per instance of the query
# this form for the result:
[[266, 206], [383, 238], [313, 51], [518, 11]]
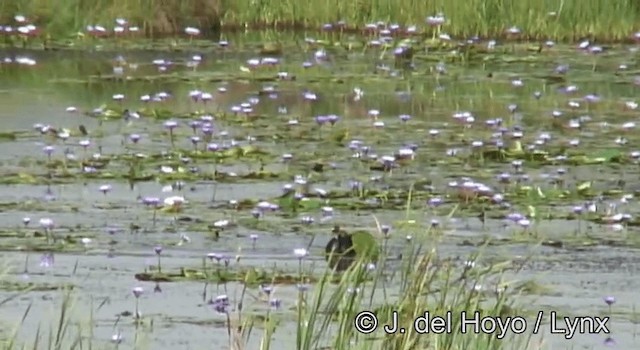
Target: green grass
[[571, 19]]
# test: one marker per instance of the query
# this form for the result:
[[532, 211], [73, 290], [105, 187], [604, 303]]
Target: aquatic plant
[[609, 300], [137, 292], [453, 143], [158, 251]]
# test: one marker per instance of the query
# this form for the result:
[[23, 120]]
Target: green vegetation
[[538, 19], [434, 117]]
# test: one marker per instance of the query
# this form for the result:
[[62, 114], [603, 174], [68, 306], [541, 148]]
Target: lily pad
[[251, 276]]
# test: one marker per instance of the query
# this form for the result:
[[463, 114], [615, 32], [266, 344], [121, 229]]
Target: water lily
[[254, 239], [137, 292], [307, 220], [221, 304], [175, 202], [192, 31], [117, 338], [300, 253], [158, 251], [275, 303], [47, 224], [47, 260], [266, 289], [221, 224], [105, 189], [215, 256], [436, 20]]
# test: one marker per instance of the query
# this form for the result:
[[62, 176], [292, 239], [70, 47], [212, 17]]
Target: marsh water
[[595, 260]]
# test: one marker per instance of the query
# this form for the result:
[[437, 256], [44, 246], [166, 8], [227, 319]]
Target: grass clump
[[547, 19], [427, 284]]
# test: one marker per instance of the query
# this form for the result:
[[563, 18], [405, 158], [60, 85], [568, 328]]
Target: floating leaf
[[516, 148], [584, 187], [8, 136], [607, 155], [310, 204]]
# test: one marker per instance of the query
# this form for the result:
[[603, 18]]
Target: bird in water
[[340, 252]]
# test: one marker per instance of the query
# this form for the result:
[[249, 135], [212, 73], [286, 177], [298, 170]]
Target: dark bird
[[340, 252]]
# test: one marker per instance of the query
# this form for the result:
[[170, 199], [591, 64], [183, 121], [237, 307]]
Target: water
[[577, 276]]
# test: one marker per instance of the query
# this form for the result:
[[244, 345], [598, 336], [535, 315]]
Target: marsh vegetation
[[196, 191], [539, 20]]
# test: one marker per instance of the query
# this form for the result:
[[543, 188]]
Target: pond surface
[[469, 116]]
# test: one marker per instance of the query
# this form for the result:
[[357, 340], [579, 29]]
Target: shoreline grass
[[568, 20]]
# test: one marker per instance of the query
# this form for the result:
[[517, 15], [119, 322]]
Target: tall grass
[[539, 19]]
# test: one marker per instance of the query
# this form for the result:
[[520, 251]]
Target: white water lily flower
[[406, 153], [174, 201], [264, 205], [524, 223], [300, 253], [166, 169], [221, 223], [192, 31], [117, 338], [46, 223]]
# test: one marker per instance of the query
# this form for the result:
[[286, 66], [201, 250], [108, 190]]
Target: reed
[[565, 20]]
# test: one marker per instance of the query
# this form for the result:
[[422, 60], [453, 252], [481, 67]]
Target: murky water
[[103, 272]]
